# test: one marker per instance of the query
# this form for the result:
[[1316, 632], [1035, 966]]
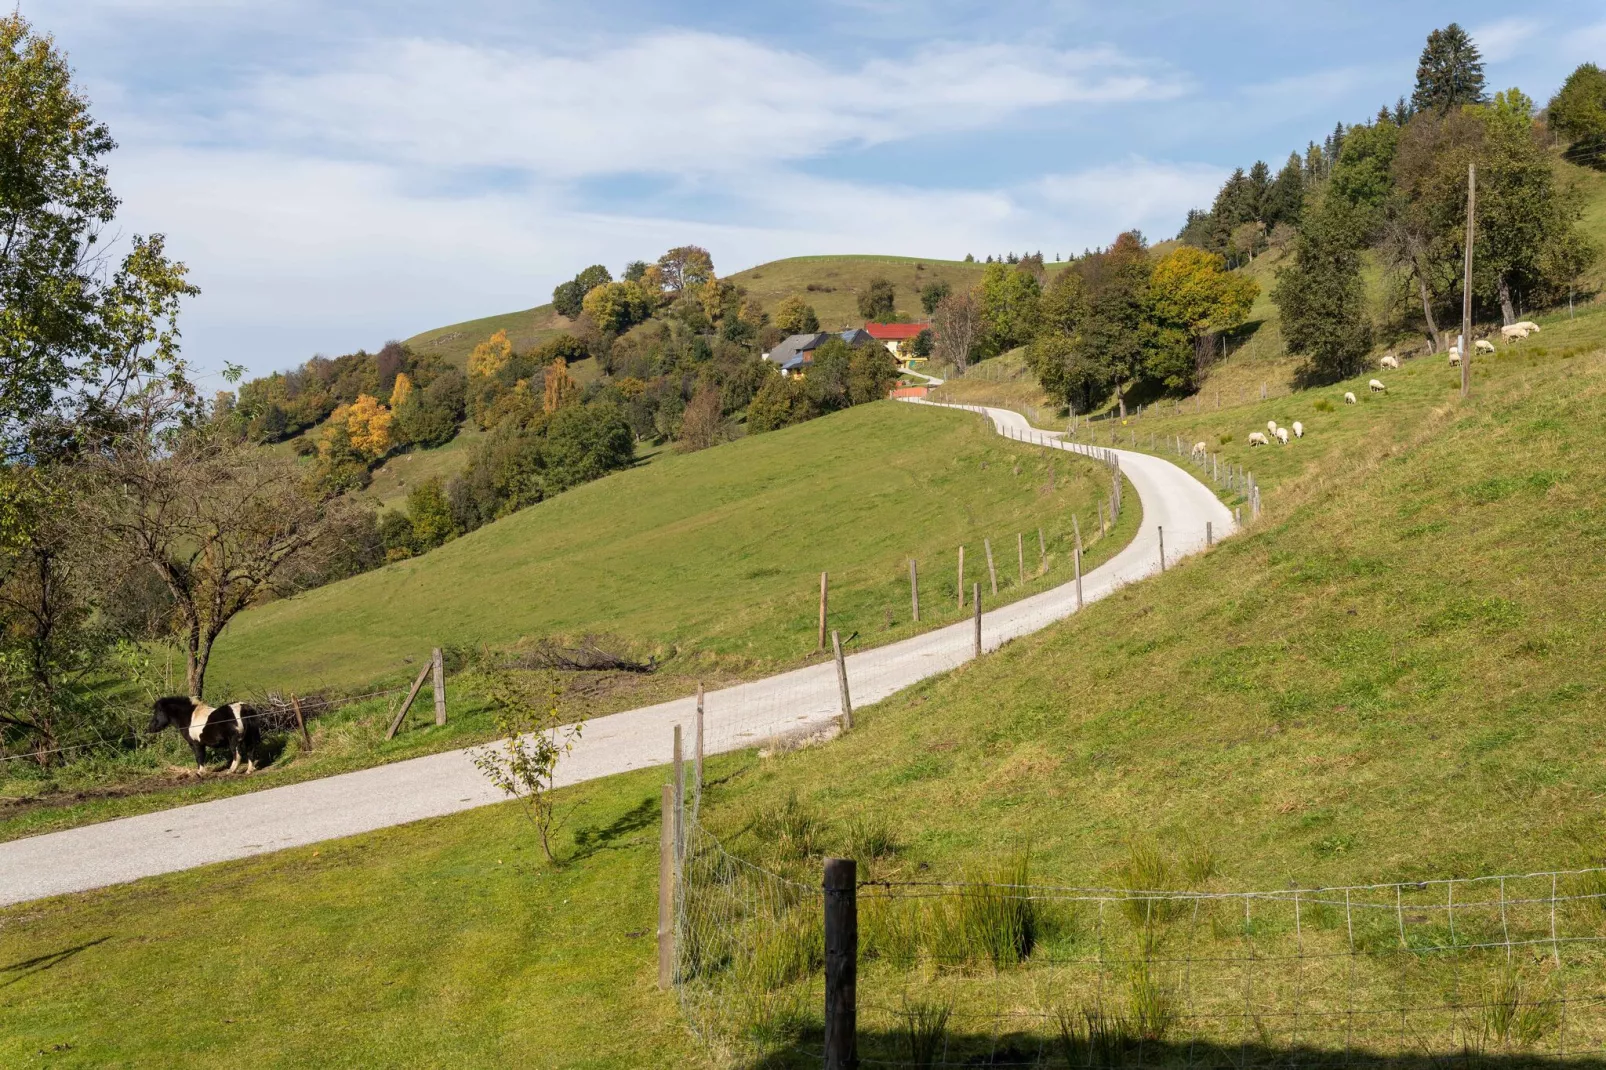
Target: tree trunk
[[1427, 313], [1120, 398], [195, 662], [1507, 311]]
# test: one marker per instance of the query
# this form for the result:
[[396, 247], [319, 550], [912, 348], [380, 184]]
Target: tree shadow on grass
[[1047, 1050], [589, 839], [40, 963]]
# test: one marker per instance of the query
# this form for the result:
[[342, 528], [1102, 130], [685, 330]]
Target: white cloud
[[295, 256], [1504, 38], [675, 102]]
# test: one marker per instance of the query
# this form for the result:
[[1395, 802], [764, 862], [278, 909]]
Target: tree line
[[1111, 320], [1390, 194]]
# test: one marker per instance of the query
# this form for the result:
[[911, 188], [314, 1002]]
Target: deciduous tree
[[957, 324], [1578, 110], [877, 301], [794, 316]]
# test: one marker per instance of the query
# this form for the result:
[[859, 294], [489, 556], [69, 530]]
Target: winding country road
[[129, 848]]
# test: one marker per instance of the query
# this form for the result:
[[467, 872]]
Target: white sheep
[[1483, 345], [1271, 426], [1376, 386], [1528, 325], [1390, 361], [1349, 398], [1455, 357], [1258, 438], [1299, 429], [1514, 333], [1282, 435], [1200, 449]]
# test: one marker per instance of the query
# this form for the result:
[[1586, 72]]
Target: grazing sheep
[[1282, 435], [1271, 426], [1200, 449], [1349, 398], [1528, 325], [1258, 438], [1376, 386], [1483, 345], [1514, 333], [1390, 361], [1455, 357], [1299, 429]]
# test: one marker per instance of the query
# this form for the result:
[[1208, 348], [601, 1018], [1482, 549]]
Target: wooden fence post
[[1210, 535], [975, 594], [1162, 548], [438, 673], [680, 801], [1077, 528], [699, 754], [961, 583], [841, 964], [987, 544], [824, 581], [300, 723], [395, 723], [914, 590], [1020, 555], [666, 891], [1042, 552], [842, 682]]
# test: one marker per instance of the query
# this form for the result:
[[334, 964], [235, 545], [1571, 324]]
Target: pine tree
[[1450, 72], [1258, 191], [1286, 197], [1402, 112]]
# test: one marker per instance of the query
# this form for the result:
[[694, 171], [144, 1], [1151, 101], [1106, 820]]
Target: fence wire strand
[[1498, 969]]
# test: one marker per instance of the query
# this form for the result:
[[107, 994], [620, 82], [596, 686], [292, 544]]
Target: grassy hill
[[716, 553], [1396, 674], [456, 341], [832, 284]]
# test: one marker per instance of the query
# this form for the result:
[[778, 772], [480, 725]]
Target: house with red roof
[[895, 337]]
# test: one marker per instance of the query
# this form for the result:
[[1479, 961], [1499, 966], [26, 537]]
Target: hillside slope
[[717, 552], [1397, 674]]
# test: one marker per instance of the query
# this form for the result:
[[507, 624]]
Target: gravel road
[[127, 849]]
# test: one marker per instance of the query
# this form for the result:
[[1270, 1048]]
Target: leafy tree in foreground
[[779, 403], [957, 324], [531, 737], [222, 522], [1450, 72], [1009, 298], [76, 338]]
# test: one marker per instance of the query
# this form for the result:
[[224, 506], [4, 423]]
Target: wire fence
[[1001, 971]]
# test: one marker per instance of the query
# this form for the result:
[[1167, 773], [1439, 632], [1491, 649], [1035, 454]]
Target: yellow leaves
[[491, 355], [363, 428], [402, 390], [1193, 290], [368, 424], [561, 389]]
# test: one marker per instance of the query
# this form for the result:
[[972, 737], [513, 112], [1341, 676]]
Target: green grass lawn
[[1397, 674], [712, 555]]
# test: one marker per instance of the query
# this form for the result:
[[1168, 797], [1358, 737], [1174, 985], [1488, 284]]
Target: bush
[[430, 417]]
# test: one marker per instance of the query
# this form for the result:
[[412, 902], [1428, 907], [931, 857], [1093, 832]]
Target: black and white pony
[[233, 726]]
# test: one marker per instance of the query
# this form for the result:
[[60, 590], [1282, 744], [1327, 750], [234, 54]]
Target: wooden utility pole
[[666, 891], [914, 590], [824, 581], [1466, 282], [841, 964], [842, 681]]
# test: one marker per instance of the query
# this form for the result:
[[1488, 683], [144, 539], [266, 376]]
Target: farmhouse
[[895, 336], [794, 353]]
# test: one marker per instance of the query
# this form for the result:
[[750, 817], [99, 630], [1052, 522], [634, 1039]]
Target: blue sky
[[337, 174]]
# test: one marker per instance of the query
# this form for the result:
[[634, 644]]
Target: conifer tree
[[1450, 72]]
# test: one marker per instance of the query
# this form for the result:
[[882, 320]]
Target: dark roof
[[792, 346], [856, 336]]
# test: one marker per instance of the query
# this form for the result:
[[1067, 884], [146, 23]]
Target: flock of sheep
[[1516, 332]]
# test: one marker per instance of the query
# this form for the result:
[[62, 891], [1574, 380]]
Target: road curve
[[127, 849]]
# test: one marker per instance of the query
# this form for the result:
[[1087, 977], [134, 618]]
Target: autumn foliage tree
[[561, 389]]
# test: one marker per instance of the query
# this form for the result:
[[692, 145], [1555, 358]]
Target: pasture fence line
[[997, 969]]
